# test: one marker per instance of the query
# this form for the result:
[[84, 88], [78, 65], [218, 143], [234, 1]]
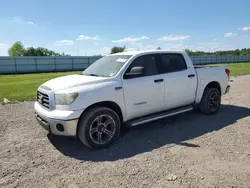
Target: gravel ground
[[189, 150]]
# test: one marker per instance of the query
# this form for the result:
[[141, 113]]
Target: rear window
[[173, 62]]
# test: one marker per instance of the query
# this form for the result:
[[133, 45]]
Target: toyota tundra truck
[[127, 89]]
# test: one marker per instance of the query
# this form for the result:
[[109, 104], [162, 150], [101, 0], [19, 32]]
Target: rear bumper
[[62, 123], [227, 89]]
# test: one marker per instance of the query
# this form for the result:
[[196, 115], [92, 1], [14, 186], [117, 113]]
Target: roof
[[147, 51]]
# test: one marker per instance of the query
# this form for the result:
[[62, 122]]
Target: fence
[[10, 65], [44, 64], [210, 59]]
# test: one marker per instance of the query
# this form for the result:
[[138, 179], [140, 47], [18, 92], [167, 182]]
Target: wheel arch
[[213, 84], [109, 104], [200, 94]]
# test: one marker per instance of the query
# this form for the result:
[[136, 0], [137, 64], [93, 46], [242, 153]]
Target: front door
[[144, 94]]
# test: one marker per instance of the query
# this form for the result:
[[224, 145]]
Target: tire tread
[[203, 105], [84, 121]]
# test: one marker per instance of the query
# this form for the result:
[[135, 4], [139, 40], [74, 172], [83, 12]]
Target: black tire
[[88, 121], [208, 105]]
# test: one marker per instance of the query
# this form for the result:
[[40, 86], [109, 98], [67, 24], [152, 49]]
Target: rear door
[[145, 94], [180, 81]]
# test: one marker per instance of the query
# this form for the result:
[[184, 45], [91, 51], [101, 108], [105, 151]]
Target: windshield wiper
[[91, 74]]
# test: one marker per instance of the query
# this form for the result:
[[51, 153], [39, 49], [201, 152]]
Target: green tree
[[17, 49], [30, 52], [189, 52], [236, 52], [97, 55], [117, 49], [40, 51]]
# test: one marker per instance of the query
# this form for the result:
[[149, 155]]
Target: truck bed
[[206, 74]]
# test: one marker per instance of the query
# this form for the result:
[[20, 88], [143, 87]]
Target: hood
[[71, 81]]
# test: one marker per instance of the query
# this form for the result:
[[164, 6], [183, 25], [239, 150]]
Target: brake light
[[227, 72]]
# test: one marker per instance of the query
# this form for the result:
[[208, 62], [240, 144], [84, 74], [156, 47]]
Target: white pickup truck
[[127, 89]]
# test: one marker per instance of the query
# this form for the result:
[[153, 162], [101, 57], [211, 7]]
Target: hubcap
[[214, 101], [102, 129]]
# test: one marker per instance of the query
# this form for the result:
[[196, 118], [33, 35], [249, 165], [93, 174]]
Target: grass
[[24, 86], [237, 69]]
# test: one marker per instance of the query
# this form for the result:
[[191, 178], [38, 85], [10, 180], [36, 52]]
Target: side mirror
[[135, 72]]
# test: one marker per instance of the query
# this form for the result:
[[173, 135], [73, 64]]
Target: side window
[[148, 62], [173, 62]]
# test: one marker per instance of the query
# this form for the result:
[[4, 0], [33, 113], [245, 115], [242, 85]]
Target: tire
[[99, 127], [210, 102]]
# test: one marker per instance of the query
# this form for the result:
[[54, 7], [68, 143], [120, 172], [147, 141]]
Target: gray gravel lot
[[188, 150]]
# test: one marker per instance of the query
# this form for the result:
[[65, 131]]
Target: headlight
[[65, 99]]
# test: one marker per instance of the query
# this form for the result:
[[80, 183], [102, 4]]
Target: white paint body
[[176, 90]]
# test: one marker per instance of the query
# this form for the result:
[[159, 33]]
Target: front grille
[[43, 99]]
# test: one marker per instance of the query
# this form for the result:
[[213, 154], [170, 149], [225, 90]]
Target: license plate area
[[43, 122]]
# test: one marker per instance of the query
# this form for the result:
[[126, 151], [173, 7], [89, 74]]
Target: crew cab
[[127, 89]]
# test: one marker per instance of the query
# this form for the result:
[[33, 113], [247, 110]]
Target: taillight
[[227, 72]]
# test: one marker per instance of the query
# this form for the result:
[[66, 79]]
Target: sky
[[81, 27]]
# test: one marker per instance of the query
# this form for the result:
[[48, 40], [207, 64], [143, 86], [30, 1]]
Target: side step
[[160, 115]]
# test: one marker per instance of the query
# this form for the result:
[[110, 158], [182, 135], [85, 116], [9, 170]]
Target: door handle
[[158, 80], [191, 75]]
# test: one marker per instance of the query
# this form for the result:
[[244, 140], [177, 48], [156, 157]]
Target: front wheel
[[99, 127], [210, 102]]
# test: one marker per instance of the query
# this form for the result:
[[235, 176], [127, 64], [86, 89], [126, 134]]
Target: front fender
[[99, 93]]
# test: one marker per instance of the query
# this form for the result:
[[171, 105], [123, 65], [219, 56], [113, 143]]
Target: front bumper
[[58, 127], [59, 123]]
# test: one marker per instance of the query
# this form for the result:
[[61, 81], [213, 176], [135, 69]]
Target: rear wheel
[[99, 127], [210, 102]]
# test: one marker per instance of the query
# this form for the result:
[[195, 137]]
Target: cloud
[[230, 34], [89, 51], [247, 28], [106, 49], [142, 47], [174, 46], [136, 43], [64, 43], [4, 46], [148, 47], [84, 37], [132, 49], [174, 37], [130, 39], [210, 47], [19, 19]]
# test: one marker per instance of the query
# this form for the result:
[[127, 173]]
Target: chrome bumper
[[58, 127]]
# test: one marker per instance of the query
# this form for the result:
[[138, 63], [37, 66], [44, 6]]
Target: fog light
[[60, 127]]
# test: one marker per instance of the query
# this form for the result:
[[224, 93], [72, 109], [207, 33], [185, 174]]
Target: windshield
[[106, 66]]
